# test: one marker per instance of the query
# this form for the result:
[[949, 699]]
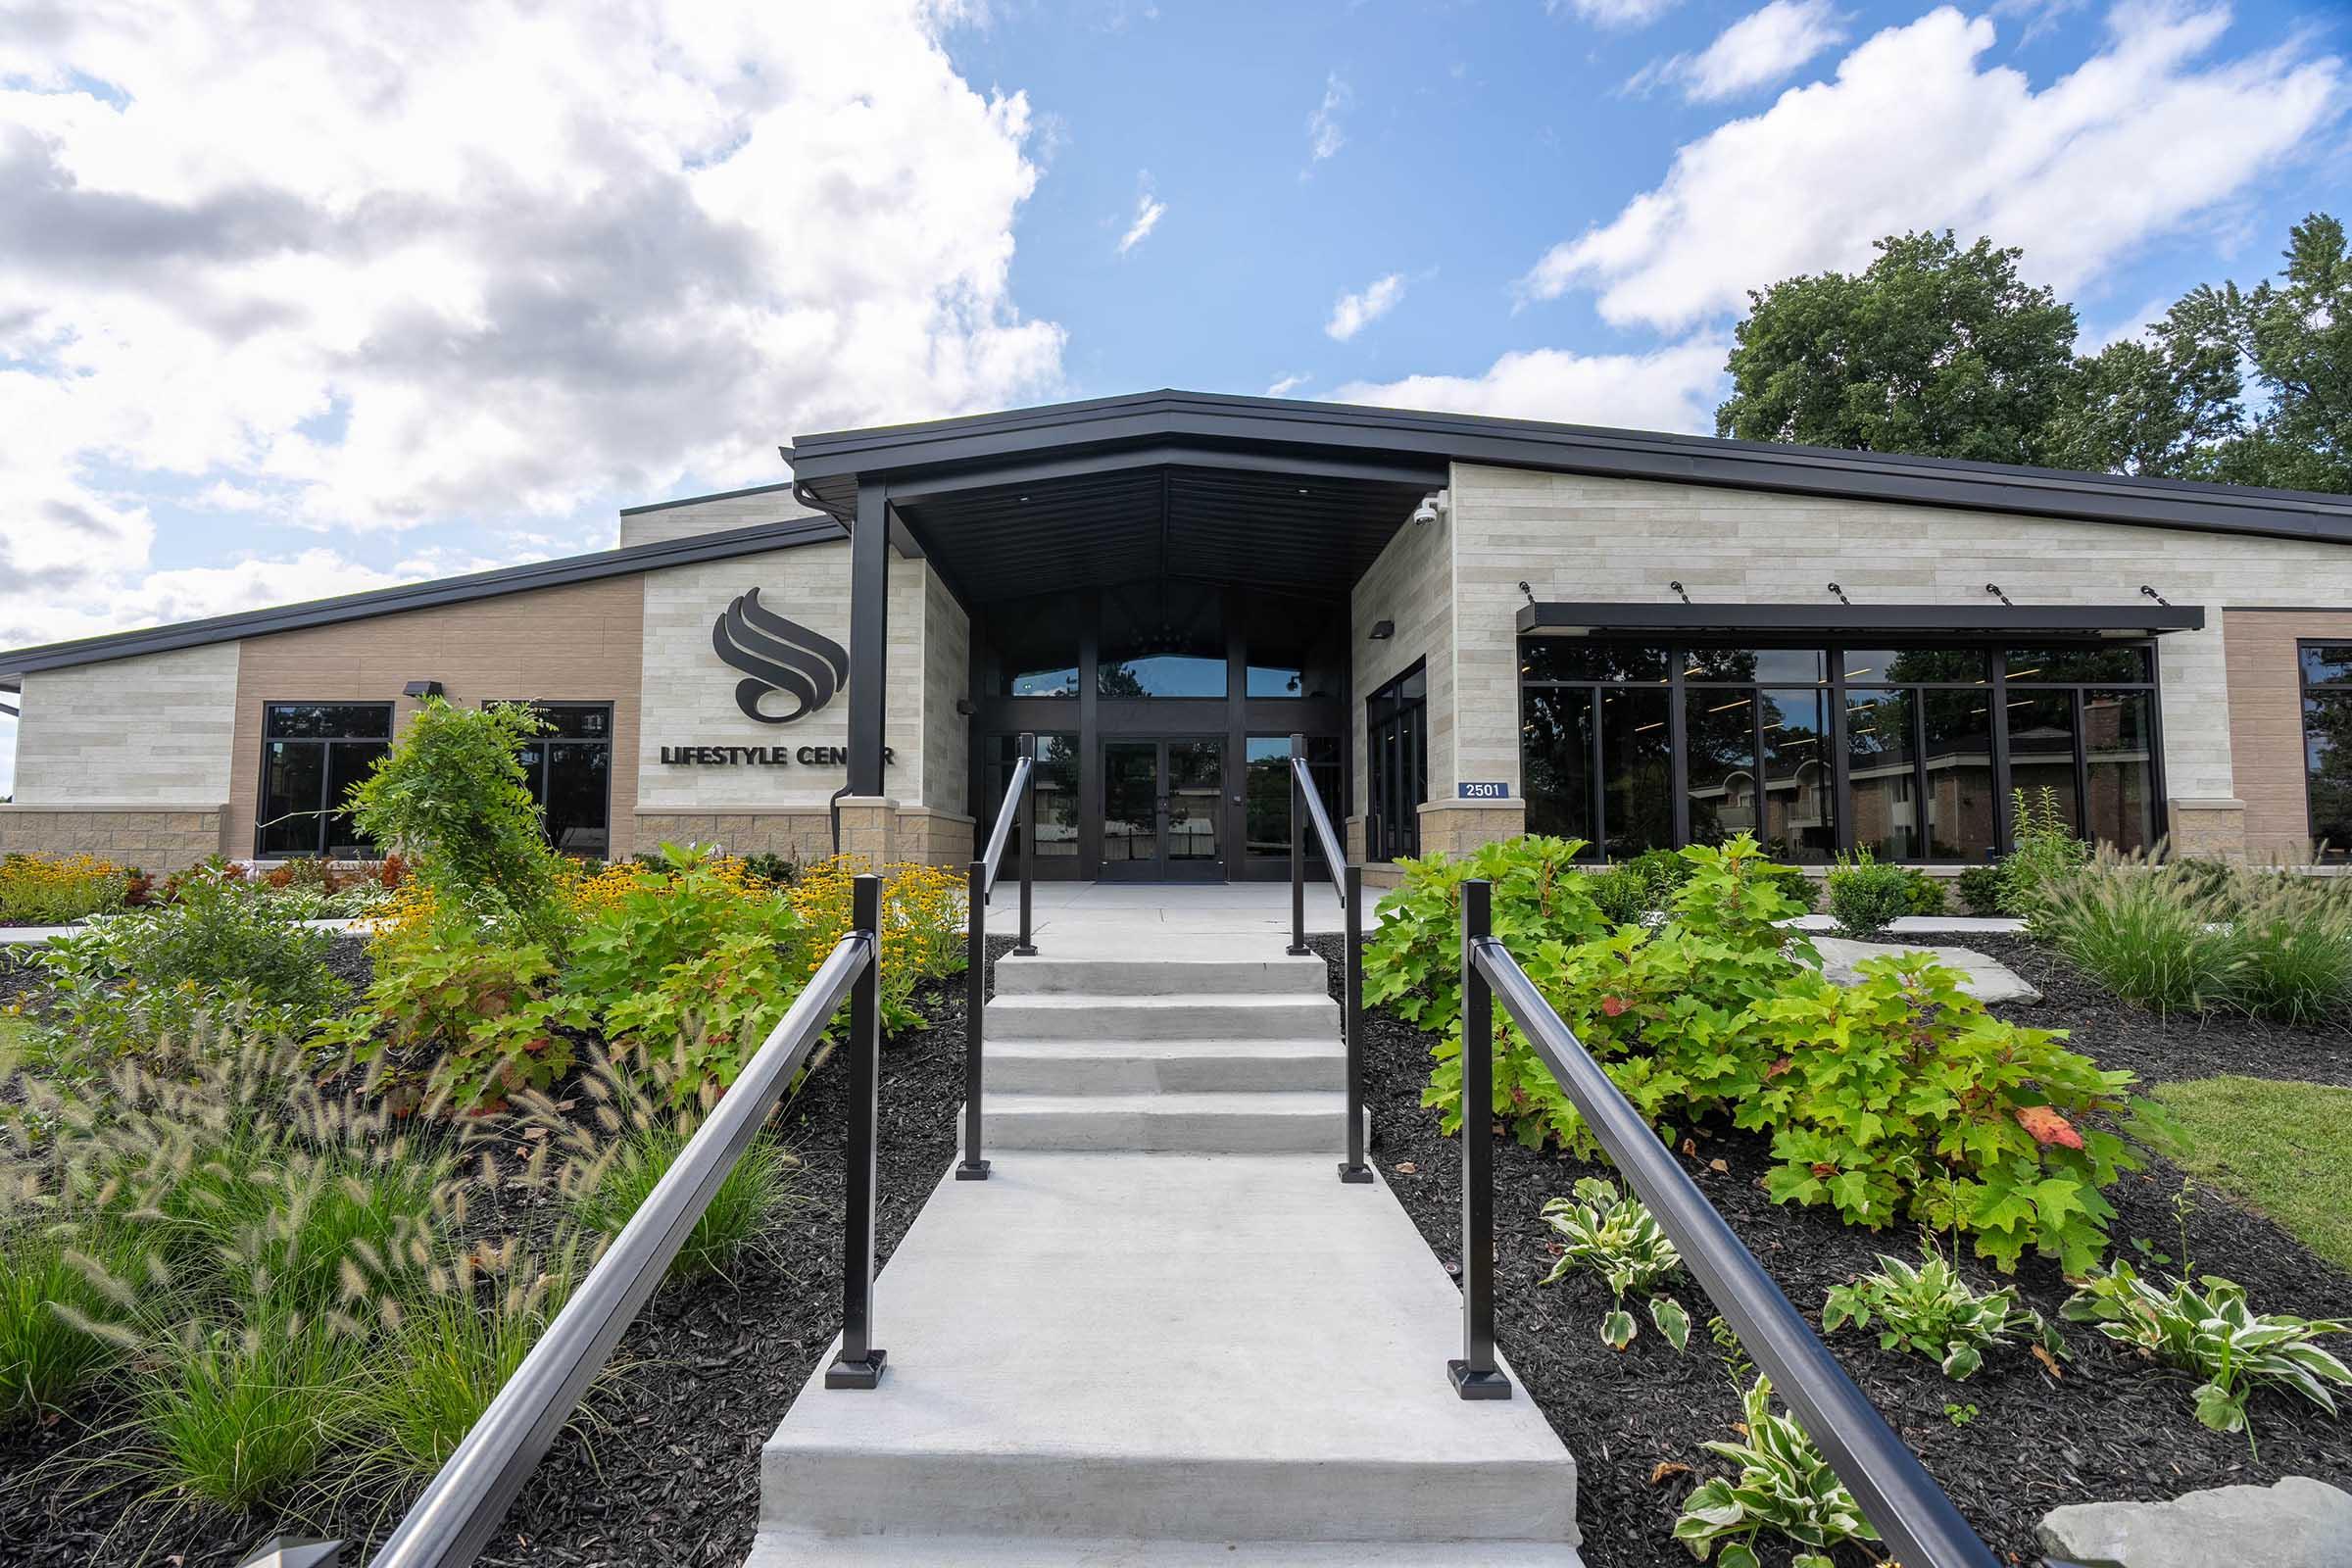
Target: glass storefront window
[[1055, 781], [1266, 793], [1801, 786], [1276, 681], [1162, 675], [1396, 761], [1882, 772], [2328, 746], [311, 755], [1760, 731], [1060, 681], [570, 768]]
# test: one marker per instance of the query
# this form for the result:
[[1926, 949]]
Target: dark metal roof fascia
[[558, 573], [715, 495], [1625, 454], [1910, 620]]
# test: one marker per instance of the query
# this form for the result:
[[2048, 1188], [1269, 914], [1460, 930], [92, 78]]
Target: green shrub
[[775, 871], [2214, 1334], [1930, 1310], [239, 1416], [453, 799], [1797, 885], [1622, 895], [1865, 895], [1615, 1235], [454, 1350], [1979, 888], [1412, 963], [477, 1011], [1784, 1488], [1664, 870], [58, 889], [47, 1356], [2048, 852], [1923, 895], [752, 1201]]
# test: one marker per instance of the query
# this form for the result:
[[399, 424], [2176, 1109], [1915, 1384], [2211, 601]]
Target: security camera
[[1431, 510]]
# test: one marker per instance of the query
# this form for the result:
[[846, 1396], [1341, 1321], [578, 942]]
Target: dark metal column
[[860, 1364], [1475, 1376], [869, 636], [1353, 1168], [973, 1168]]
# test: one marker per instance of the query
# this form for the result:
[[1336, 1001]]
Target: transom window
[[312, 754], [1909, 753], [570, 768], [2328, 746]]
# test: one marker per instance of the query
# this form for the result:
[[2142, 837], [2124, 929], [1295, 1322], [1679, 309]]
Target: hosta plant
[[1930, 1310], [1784, 1487], [2210, 1329], [1615, 1234]]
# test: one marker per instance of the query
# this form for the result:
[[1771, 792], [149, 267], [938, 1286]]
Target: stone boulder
[[2299, 1523], [1989, 979]]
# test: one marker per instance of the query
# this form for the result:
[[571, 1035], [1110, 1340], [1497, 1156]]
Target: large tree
[[2296, 337], [1931, 349]]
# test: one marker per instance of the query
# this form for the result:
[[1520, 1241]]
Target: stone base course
[[915, 833], [155, 839]]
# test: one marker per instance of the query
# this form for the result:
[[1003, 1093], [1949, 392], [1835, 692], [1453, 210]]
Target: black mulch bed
[[2109, 1428], [2156, 1046], [667, 1473]]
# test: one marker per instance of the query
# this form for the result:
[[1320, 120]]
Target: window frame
[[324, 809], [2303, 693], [548, 743], [1677, 681], [1377, 845]]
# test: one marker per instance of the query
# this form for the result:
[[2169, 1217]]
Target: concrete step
[[1251, 1122], [781, 1549], [1154, 974], [1197, 1016], [1156, 1067], [1102, 1350]]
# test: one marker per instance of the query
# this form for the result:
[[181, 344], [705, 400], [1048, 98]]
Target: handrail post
[[1298, 947], [1025, 948], [1475, 1376], [859, 1363], [1353, 1168], [973, 1168]]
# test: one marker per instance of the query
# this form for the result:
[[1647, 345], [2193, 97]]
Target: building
[[1480, 625]]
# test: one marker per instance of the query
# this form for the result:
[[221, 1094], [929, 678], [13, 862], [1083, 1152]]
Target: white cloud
[[1760, 48], [1912, 134], [1148, 211], [1672, 388], [1325, 136], [1287, 385], [1612, 12], [476, 260], [1356, 311]]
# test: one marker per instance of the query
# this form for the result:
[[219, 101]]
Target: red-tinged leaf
[[2049, 1127], [1613, 1006]]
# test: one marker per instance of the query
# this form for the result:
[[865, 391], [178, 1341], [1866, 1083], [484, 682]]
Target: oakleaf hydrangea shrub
[[1898, 1096]]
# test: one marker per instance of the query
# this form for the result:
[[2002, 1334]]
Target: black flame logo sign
[[779, 656]]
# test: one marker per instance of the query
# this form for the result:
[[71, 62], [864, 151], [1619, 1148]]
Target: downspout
[[808, 498]]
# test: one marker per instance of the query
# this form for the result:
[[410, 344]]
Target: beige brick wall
[[710, 516], [154, 730], [1411, 583], [2266, 720], [946, 678], [1576, 537], [155, 841], [579, 643]]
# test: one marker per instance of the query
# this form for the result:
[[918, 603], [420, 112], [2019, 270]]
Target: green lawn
[[13, 1034], [2284, 1148]]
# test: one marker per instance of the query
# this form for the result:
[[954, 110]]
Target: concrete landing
[[1164, 1360]]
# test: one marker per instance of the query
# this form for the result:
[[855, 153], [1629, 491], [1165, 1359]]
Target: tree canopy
[[1945, 352]]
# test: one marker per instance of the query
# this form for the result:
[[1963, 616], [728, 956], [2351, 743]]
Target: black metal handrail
[[461, 1507], [1020, 794], [1920, 1525], [1306, 805]]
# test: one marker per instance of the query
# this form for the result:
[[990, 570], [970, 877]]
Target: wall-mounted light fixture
[[1525, 589], [1383, 630], [421, 689], [1841, 593], [2153, 594], [963, 708], [1995, 589]]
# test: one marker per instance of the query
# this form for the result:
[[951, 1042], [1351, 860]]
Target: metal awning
[[1851, 622]]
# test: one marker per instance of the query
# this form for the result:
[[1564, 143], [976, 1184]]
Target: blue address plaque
[[1482, 791]]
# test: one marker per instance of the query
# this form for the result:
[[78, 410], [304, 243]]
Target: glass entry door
[[1164, 809]]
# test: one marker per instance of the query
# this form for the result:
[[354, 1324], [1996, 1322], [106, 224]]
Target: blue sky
[[298, 301]]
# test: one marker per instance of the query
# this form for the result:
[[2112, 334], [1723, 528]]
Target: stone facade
[[150, 731], [155, 840]]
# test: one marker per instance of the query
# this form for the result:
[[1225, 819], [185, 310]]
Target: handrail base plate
[[1355, 1174], [1477, 1384], [971, 1171], [845, 1374]]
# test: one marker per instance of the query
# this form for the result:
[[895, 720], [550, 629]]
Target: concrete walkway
[[35, 935]]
